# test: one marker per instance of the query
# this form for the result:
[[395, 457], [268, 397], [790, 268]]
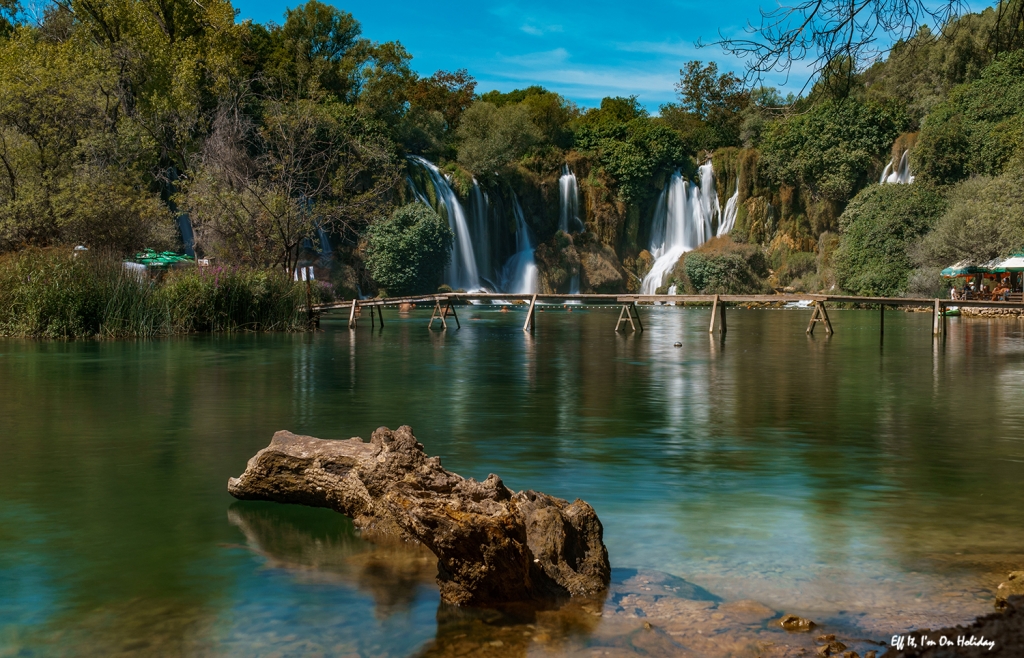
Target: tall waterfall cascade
[[482, 257], [462, 272], [568, 202], [685, 217], [900, 174], [519, 275]]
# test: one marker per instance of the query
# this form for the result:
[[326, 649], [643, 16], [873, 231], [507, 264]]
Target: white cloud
[[531, 28]]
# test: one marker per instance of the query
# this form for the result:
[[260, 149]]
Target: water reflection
[[870, 489]]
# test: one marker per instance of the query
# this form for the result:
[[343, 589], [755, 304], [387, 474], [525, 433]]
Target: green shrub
[[54, 293], [722, 266], [876, 230], [409, 250]]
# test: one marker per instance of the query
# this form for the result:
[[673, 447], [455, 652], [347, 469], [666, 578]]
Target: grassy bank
[[52, 293]]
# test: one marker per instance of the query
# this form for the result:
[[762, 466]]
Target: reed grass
[[52, 293]]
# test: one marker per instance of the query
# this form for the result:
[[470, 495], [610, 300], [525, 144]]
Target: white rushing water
[[899, 175], [684, 218], [462, 272], [568, 202], [519, 274], [729, 214]]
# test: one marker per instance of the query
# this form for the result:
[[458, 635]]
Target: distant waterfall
[[520, 272], [684, 218], [462, 272], [568, 202], [899, 175]]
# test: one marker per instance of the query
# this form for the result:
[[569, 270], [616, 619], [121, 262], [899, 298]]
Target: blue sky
[[584, 51]]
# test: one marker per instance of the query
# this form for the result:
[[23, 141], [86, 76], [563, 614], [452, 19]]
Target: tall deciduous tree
[[259, 190]]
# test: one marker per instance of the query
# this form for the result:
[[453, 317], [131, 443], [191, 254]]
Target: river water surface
[[873, 487]]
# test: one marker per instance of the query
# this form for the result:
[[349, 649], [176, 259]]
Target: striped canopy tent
[[963, 268]]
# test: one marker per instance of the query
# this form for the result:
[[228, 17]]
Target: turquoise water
[[872, 486]]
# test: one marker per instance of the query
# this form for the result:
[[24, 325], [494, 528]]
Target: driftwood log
[[493, 546]]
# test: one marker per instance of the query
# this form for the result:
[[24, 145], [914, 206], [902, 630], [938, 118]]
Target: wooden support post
[[814, 318], [937, 318], [881, 320], [636, 312], [819, 315], [714, 312], [529, 314], [437, 314], [352, 316], [451, 308], [380, 315], [625, 315], [721, 310], [828, 323]]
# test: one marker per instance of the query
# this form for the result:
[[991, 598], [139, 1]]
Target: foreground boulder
[[493, 546]]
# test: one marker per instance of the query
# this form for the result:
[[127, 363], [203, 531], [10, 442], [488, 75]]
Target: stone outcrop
[[493, 546]]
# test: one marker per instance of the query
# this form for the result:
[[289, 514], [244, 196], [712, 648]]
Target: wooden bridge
[[629, 315]]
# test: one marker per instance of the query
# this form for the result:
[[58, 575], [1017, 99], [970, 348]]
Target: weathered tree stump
[[492, 546]]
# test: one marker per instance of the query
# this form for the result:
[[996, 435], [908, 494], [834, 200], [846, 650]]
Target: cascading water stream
[[462, 273], [480, 230], [732, 207], [684, 218], [900, 175], [568, 202], [519, 275]]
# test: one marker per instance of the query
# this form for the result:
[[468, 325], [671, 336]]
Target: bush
[[721, 266], [53, 293], [875, 232], [408, 251]]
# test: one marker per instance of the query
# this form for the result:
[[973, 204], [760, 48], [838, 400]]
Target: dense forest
[[166, 124]]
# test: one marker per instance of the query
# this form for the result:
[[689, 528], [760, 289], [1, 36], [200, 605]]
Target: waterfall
[[732, 207], [685, 216], [519, 275], [480, 232], [568, 202], [710, 208], [462, 273], [900, 174]]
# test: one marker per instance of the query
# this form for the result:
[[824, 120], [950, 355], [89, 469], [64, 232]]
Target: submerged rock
[[493, 546], [796, 624]]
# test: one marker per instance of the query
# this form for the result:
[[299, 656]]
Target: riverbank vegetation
[[275, 145], [55, 293]]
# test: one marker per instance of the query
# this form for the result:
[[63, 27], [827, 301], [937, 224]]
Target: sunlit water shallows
[[872, 487]]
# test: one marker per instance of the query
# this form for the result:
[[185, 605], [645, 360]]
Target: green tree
[[985, 220], [259, 190], [831, 149], [490, 138], [409, 250], [979, 129], [878, 229], [709, 112]]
